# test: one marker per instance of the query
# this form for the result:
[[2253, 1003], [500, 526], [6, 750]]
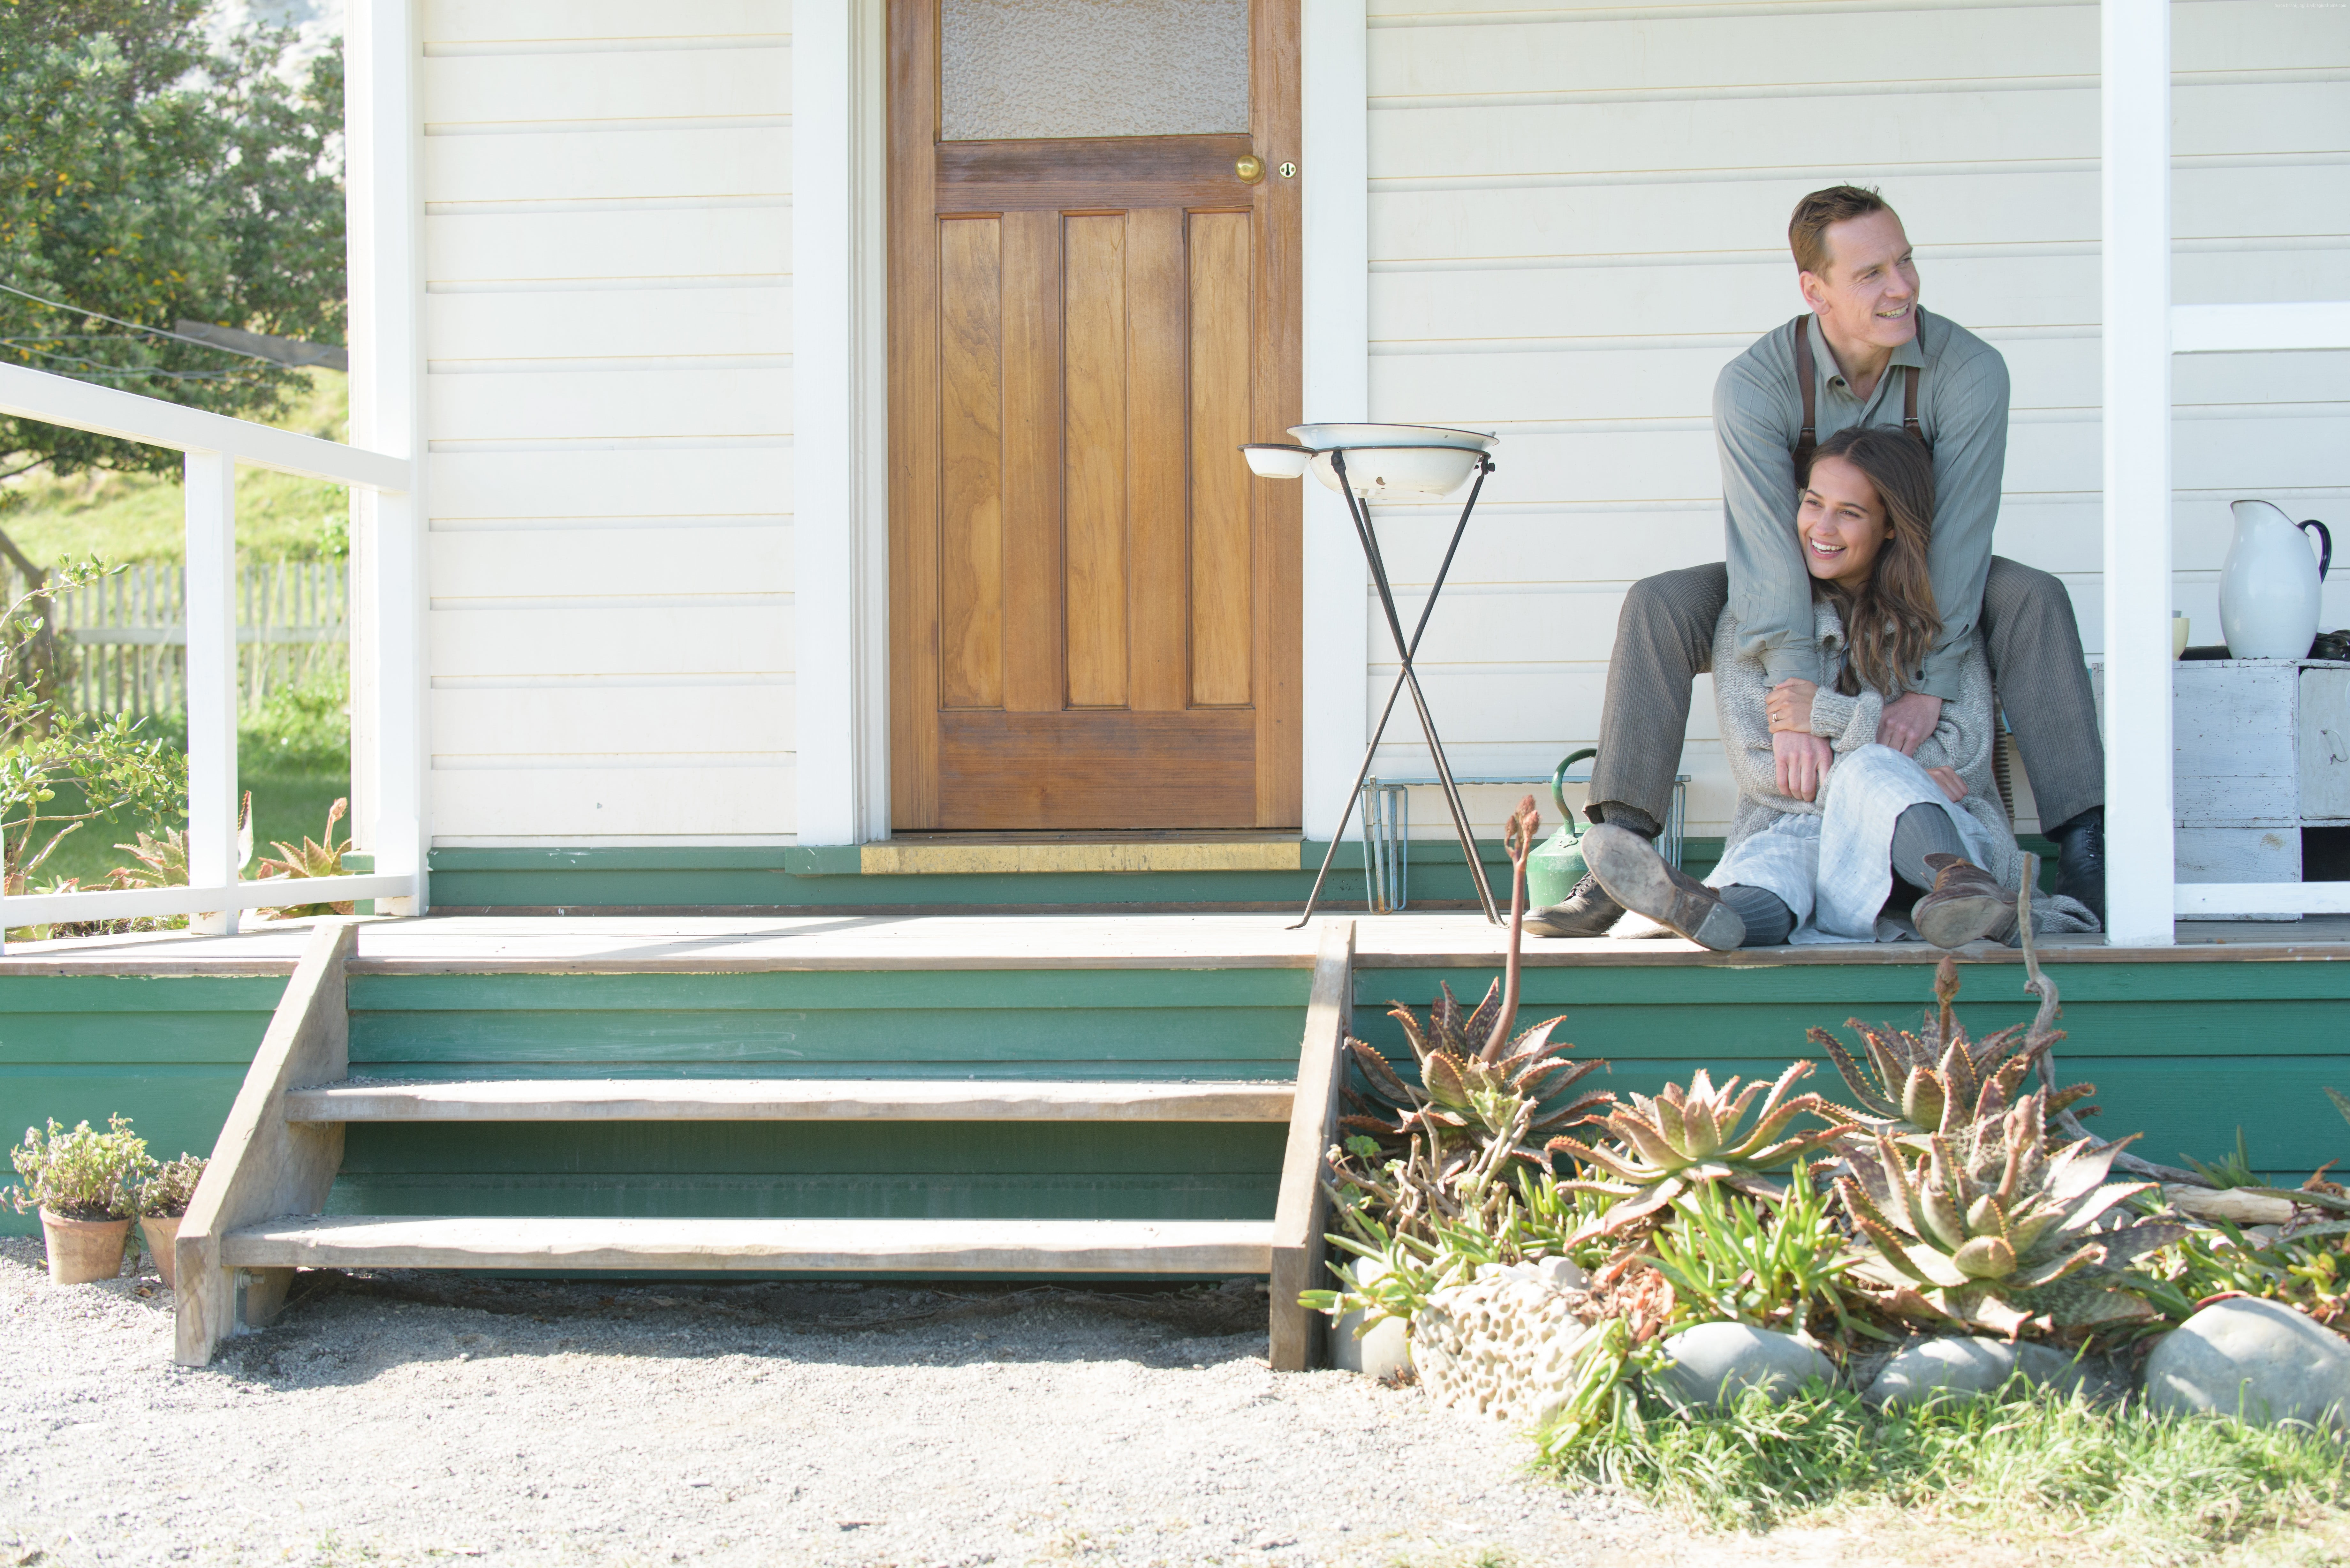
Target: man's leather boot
[[2081, 859], [1633, 874], [1966, 905], [1587, 911]]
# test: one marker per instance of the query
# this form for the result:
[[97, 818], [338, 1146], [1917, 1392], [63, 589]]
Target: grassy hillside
[[130, 517]]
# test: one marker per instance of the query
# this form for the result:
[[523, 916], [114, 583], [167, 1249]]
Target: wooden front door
[[1093, 608]]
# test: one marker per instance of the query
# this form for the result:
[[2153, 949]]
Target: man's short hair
[[1807, 230]]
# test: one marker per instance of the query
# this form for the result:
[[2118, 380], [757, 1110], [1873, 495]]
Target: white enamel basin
[[1270, 460], [1400, 472], [1321, 438]]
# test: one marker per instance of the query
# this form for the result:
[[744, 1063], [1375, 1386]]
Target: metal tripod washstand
[[1424, 469]]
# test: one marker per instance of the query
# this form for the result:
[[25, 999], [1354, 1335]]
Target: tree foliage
[[148, 176], [59, 769]]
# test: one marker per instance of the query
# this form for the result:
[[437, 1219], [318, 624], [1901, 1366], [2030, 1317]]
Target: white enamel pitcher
[[2269, 587]]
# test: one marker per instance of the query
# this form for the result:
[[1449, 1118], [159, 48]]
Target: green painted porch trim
[[170, 1052], [880, 988], [2183, 1052], [1217, 1024], [829, 876]]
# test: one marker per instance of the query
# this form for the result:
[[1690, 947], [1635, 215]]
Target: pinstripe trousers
[[1664, 640]]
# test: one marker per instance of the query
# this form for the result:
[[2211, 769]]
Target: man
[[1875, 358]]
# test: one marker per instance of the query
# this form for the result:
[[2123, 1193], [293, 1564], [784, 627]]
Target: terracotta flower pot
[[81, 1251], [162, 1233]]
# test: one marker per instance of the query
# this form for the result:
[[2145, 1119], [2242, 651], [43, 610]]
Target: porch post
[[838, 428], [211, 610], [388, 686], [2136, 256], [1335, 162]]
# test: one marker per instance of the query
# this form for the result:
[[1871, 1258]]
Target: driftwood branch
[[2040, 1045]]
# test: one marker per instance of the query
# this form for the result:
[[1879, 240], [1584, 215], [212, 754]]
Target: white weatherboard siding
[[606, 190], [1575, 223]]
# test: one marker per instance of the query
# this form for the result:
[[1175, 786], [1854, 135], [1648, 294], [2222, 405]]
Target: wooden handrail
[[263, 1166], [1303, 1211]]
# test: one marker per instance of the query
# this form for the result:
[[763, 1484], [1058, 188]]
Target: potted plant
[[163, 1194], [81, 1183]]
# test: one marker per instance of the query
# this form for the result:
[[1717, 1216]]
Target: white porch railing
[[213, 446], [2142, 331]]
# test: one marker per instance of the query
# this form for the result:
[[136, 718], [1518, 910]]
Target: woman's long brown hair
[[1890, 621]]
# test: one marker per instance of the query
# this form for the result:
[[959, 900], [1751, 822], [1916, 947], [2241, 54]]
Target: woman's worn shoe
[[1587, 911], [1633, 874], [1966, 905]]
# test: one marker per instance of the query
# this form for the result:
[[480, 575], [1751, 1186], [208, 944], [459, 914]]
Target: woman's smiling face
[[1841, 524]]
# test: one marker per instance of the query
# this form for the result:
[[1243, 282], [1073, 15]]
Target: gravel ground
[[398, 1419]]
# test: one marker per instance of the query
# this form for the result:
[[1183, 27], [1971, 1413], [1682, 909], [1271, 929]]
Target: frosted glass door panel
[[1016, 69]]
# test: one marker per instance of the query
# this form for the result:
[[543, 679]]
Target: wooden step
[[787, 1099], [924, 1246]]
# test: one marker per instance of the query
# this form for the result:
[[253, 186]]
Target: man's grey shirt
[[1758, 413]]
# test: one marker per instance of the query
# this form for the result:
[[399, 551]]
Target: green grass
[[123, 518], [293, 755], [2116, 1482], [288, 805]]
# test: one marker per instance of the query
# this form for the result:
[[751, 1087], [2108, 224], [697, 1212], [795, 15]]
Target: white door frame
[[840, 505]]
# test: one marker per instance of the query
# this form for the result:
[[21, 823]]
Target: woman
[[1814, 859]]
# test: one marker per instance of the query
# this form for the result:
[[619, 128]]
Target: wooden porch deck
[[2240, 1025], [588, 944]]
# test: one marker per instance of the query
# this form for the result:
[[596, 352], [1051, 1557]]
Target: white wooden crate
[[2262, 751]]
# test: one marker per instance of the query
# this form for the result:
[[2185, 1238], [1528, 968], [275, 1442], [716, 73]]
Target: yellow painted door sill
[[909, 856]]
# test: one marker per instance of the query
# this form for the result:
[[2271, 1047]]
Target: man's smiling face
[[1870, 292]]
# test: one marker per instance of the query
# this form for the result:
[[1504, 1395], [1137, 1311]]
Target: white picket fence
[[129, 634]]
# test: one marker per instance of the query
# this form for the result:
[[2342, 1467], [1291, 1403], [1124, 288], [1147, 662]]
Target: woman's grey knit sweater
[[1961, 742]]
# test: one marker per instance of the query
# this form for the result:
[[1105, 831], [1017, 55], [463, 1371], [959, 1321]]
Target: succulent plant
[[1475, 1076], [1460, 1093], [1989, 1229], [1937, 1080], [1683, 1139], [1422, 1155]]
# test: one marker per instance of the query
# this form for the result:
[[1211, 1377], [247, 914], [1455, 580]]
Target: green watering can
[[1553, 870]]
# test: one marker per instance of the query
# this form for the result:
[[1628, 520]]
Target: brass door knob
[[1250, 168]]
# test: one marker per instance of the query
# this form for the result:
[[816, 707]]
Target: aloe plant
[[1684, 1138], [321, 857], [1989, 1229], [1478, 1084], [1937, 1080]]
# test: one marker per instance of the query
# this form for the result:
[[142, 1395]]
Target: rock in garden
[[2250, 1358], [1952, 1368], [1504, 1344], [1715, 1363], [2047, 1367]]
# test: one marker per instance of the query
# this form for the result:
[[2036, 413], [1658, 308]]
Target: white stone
[[1504, 1345], [2254, 1359], [1715, 1363], [1384, 1350], [1949, 1368], [1564, 1273]]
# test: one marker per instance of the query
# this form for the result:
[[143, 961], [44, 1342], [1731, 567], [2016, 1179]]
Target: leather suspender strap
[[1807, 379], [1807, 440]]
